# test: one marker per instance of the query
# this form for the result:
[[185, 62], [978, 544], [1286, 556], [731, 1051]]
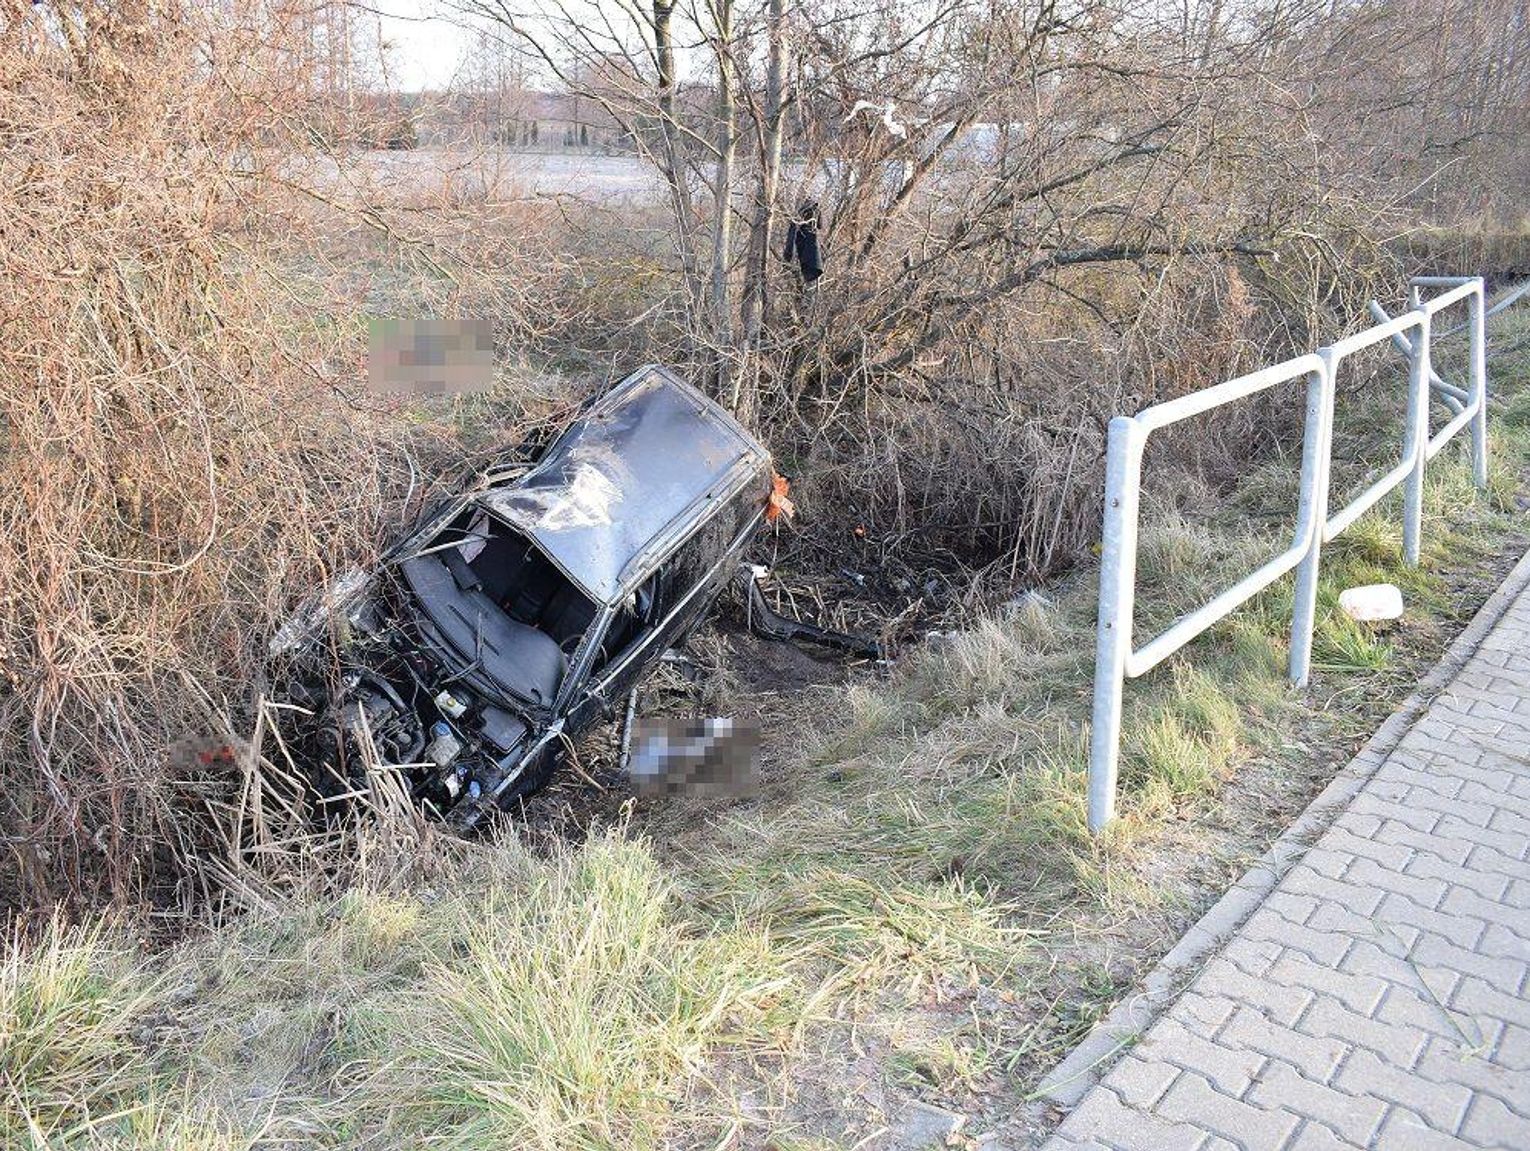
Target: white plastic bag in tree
[[1371, 603]]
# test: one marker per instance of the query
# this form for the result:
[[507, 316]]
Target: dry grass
[[177, 465], [186, 443], [67, 1006], [546, 1003]]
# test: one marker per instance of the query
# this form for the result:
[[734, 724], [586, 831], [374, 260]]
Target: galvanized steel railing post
[[1416, 438], [1317, 459], [1113, 636], [1477, 317]]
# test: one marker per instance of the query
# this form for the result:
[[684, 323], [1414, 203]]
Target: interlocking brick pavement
[[1379, 996]]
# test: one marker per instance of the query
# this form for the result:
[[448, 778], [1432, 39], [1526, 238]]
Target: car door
[[669, 603]]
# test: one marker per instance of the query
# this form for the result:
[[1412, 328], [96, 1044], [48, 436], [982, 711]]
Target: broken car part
[[769, 624]]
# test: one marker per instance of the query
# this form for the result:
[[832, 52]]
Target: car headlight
[[314, 612]]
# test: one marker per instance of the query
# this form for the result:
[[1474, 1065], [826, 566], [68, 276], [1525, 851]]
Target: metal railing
[[1117, 659]]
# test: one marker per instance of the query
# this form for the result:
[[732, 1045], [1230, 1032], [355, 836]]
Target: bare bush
[[177, 461]]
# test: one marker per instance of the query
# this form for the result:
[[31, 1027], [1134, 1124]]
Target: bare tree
[[721, 12], [768, 134], [1003, 183]]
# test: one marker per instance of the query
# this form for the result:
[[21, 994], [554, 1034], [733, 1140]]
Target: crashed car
[[523, 611]]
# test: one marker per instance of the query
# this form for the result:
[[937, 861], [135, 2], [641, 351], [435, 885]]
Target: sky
[[425, 50]]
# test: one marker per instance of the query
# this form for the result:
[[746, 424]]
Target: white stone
[[1371, 603]]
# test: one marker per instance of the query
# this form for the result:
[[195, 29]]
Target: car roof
[[642, 463]]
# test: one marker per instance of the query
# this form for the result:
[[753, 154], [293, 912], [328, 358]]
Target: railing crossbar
[[1513, 296], [1366, 500], [1453, 397], [1196, 403], [1193, 623], [1448, 432]]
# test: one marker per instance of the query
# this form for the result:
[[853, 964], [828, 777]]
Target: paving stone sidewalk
[[1379, 996]]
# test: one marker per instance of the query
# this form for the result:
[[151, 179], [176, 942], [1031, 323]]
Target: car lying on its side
[[519, 613]]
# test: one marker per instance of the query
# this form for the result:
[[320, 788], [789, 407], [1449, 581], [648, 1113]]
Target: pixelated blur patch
[[430, 357], [716, 756], [194, 755]]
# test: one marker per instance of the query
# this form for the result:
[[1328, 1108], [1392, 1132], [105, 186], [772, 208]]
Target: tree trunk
[[757, 277], [675, 159], [722, 219]]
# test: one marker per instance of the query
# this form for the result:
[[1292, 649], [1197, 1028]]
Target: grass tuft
[[68, 1001], [580, 1007]]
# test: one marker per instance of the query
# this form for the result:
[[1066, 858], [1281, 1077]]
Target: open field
[[608, 180]]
